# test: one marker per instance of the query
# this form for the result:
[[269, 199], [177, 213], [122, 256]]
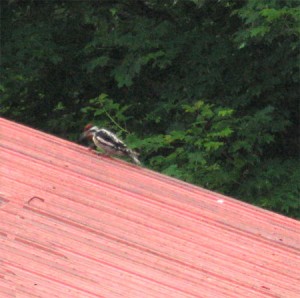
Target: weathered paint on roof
[[73, 224]]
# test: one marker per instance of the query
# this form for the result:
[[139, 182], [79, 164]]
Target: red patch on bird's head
[[88, 126]]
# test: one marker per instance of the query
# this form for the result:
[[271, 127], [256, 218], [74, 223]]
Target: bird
[[108, 142]]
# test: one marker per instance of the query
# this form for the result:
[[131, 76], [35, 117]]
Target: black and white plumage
[[108, 142]]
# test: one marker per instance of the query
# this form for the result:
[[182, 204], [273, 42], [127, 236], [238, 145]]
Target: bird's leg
[[92, 148], [95, 152], [104, 153]]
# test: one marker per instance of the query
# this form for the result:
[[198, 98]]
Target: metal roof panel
[[74, 224]]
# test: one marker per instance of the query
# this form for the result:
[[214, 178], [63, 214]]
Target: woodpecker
[[108, 142]]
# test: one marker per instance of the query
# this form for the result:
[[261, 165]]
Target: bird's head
[[88, 132]]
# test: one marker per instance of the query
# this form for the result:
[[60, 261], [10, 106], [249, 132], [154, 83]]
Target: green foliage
[[192, 152], [104, 112], [140, 68], [275, 185]]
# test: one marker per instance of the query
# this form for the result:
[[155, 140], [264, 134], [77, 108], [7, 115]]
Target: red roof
[[74, 224]]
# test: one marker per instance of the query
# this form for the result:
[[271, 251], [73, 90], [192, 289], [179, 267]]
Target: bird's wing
[[109, 139]]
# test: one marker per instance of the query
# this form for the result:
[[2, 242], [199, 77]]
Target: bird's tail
[[134, 156]]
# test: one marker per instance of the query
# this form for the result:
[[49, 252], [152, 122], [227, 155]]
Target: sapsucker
[[108, 142]]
